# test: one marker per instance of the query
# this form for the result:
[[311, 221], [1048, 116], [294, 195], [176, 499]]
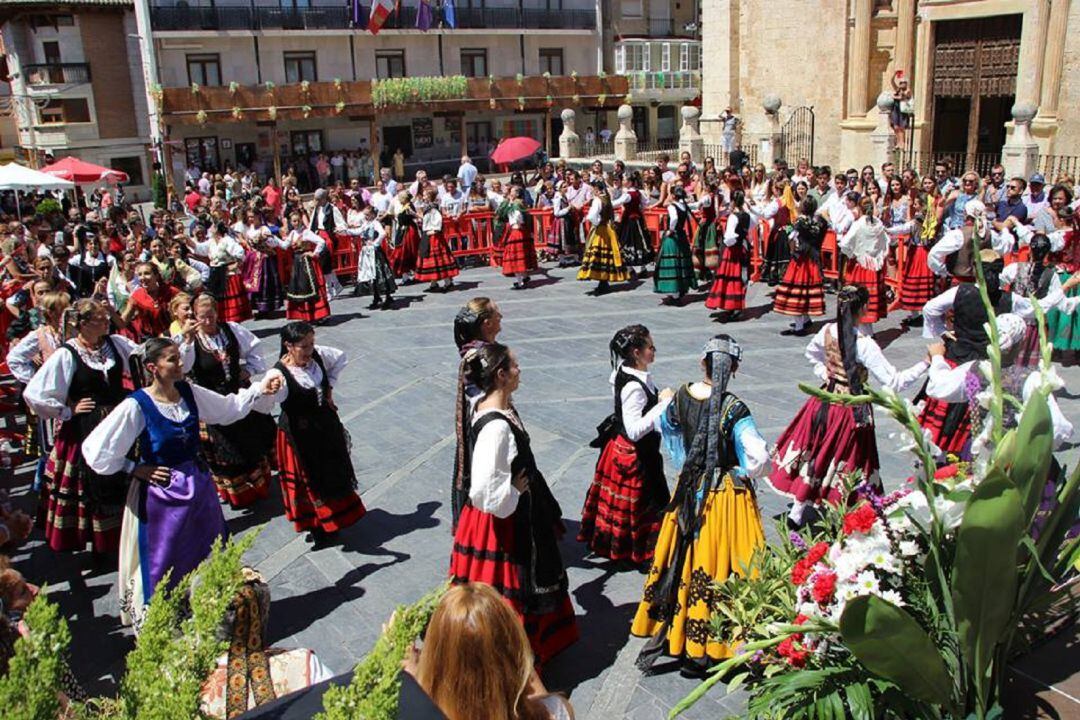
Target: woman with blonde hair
[[477, 663]]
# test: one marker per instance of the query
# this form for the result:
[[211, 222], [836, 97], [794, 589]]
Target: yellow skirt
[[603, 258], [729, 534]]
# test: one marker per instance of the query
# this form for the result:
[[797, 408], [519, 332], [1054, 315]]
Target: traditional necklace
[[93, 356], [218, 348]]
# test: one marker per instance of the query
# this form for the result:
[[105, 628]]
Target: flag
[[380, 10], [424, 16], [448, 14], [356, 13]]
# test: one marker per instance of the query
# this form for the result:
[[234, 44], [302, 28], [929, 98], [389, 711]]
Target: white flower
[[986, 369], [1051, 379], [867, 583], [893, 597], [885, 560], [984, 398], [909, 548]]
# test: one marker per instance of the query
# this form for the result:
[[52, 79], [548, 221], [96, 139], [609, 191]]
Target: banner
[[380, 10], [449, 14], [424, 16]]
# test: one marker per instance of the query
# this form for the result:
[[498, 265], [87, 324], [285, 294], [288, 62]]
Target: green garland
[[403, 91]]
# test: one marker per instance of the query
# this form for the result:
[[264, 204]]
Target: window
[[202, 152], [478, 138], [631, 57], [204, 69], [641, 122], [551, 60], [305, 142], [665, 57], [389, 64], [68, 110], [690, 57], [665, 123], [632, 9], [474, 62], [300, 66], [51, 51], [130, 165]]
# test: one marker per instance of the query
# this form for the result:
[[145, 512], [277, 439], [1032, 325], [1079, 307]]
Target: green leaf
[[984, 570], [1034, 441], [889, 642], [859, 701]]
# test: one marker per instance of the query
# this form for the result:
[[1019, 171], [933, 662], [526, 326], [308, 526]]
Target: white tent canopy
[[17, 177]]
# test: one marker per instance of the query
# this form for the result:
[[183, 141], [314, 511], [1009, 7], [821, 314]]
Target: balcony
[[56, 74], [294, 101], [340, 17], [650, 81]]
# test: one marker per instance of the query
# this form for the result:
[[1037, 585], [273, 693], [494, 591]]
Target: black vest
[[327, 211], [208, 370]]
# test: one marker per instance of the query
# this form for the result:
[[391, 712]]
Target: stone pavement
[[397, 397]]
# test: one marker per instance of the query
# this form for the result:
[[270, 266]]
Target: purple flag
[[424, 16], [356, 13]]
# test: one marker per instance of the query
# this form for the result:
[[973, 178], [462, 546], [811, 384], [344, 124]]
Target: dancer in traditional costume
[[563, 243], [918, 284], [508, 532], [306, 296], [146, 314], [949, 423], [801, 292], [327, 222], [951, 383], [728, 293], [436, 262], [1063, 328], [374, 267], [25, 358], [518, 250], [706, 253], [1035, 276], [318, 482], [172, 517], [635, 242], [674, 274], [77, 386], [866, 245], [90, 266], [602, 260], [226, 279], [827, 441], [222, 356], [476, 325], [953, 256], [621, 516], [712, 525], [782, 211], [406, 244], [262, 278]]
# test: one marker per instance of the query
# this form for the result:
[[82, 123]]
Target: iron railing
[[340, 17], [1054, 166], [681, 80], [57, 74], [723, 159], [923, 162], [653, 150]]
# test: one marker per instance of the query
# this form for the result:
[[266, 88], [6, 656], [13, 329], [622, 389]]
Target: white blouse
[[560, 206], [869, 356], [595, 208], [309, 376], [22, 355], [1021, 304], [306, 236], [248, 345], [636, 422], [47, 391], [432, 223], [953, 240], [949, 384], [491, 489], [867, 243], [107, 446], [220, 250]]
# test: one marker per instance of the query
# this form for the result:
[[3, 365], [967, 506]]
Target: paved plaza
[[397, 401]]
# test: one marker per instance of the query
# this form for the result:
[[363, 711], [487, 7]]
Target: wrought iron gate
[[797, 136]]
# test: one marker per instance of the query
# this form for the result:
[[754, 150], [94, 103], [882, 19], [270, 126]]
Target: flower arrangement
[[305, 87], [194, 88], [492, 104], [403, 91], [237, 113], [521, 102], [272, 112], [547, 76], [574, 75], [200, 117], [337, 84], [601, 98], [911, 604], [339, 107], [520, 79], [306, 110], [576, 98], [269, 85]]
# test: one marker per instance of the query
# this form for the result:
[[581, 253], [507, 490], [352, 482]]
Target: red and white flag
[[380, 10]]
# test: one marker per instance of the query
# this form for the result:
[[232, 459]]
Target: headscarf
[[1010, 329], [976, 210]]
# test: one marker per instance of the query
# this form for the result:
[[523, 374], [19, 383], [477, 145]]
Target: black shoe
[[433, 287], [374, 305], [734, 316], [387, 303], [796, 333]]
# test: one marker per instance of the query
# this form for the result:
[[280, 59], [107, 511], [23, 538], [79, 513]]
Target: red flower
[[800, 619], [861, 519], [795, 656], [817, 552], [947, 471], [803, 567], [824, 587], [800, 572]]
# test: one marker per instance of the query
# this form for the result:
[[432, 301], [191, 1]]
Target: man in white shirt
[[389, 184], [337, 166], [605, 135], [466, 173], [380, 199], [1035, 197], [450, 198]]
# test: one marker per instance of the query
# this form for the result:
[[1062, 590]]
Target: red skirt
[[802, 289], [71, 516], [874, 281], [933, 418], [405, 255], [728, 292], [484, 552], [616, 521], [919, 284], [437, 263], [303, 506], [808, 461], [234, 305], [518, 252], [310, 310]]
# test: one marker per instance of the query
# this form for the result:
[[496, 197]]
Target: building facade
[[969, 63], [76, 85], [273, 49]]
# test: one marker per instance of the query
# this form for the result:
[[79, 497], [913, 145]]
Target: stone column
[[1020, 155], [770, 144], [905, 37], [569, 142], [721, 67], [1054, 58], [882, 139], [859, 60], [626, 138], [1029, 70], [690, 139]]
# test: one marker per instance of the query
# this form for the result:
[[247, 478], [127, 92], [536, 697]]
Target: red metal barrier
[[476, 233], [346, 257], [759, 235], [542, 221], [656, 221], [830, 256], [894, 268]]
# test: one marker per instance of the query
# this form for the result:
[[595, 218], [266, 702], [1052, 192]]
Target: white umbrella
[[20, 178]]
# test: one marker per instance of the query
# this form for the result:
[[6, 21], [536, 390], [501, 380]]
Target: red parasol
[[82, 172], [514, 149]]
